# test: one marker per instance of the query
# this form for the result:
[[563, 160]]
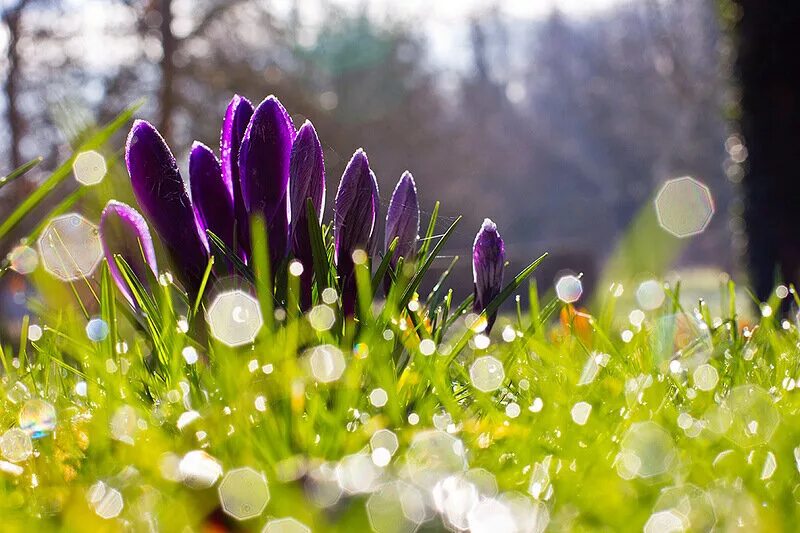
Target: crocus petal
[[356, 207], [162, 197], [124, 232], [402, 218], [306, 180], [488, 257], [237, 116], [211, 198], [264, 171]]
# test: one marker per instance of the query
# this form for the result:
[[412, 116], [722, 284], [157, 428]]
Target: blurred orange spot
[[576, 321]]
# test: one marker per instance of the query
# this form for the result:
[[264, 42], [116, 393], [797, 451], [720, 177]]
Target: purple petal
[[356, 208], [306, 180], [488, 258], [306, 174], [124, 232], [264, 160], [162, 197], [211, 198], [237, 116], [402, 218]]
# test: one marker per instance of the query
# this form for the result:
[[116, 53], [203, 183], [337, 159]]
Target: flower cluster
[[265, 169]]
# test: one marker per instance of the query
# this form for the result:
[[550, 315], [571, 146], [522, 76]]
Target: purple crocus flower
[[264, 172], [402, 219], [212, 198], [356, 208], [306, 180], [237, 116], [124, 232], [162, 197], [488, 257]]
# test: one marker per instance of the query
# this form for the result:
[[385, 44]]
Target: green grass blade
[[219, 247], [426, 242], [420, 273], [61, 173], [321, 265], [383, 267], [261, 269], [20, 171], [498, 300]]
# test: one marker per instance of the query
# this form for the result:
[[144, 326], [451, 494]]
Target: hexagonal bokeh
[[646, 451], [433, 455], [15, 445], [243, 493], [89, 167], [397, 507], [69, 247], [357, 473], [454, 497], [234, 318], [285, 525], [580, 412], [106, 501], [569, 289], [23, 259], [489, 516], [487, 373], [37, 418], [668, 521], [384, 438], [689, 502], [322, 486], [684, 207], [529, 516], [199, 470], [327, 363], [754, 418], [650, 294], [705, 377]]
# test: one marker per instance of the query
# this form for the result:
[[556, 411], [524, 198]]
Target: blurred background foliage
[[558, 122]]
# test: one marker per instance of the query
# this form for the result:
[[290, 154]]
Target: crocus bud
[[402, 219], [162, 197], [355, 210], [124, 232], [212, 198], [237, 116], [306, 180], [488, 256], [264, 172]]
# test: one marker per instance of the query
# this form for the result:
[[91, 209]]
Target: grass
[[686, 418]]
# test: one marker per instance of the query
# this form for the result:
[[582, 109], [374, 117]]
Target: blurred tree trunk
[[768, 66], [169, 45], [12, 17]]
